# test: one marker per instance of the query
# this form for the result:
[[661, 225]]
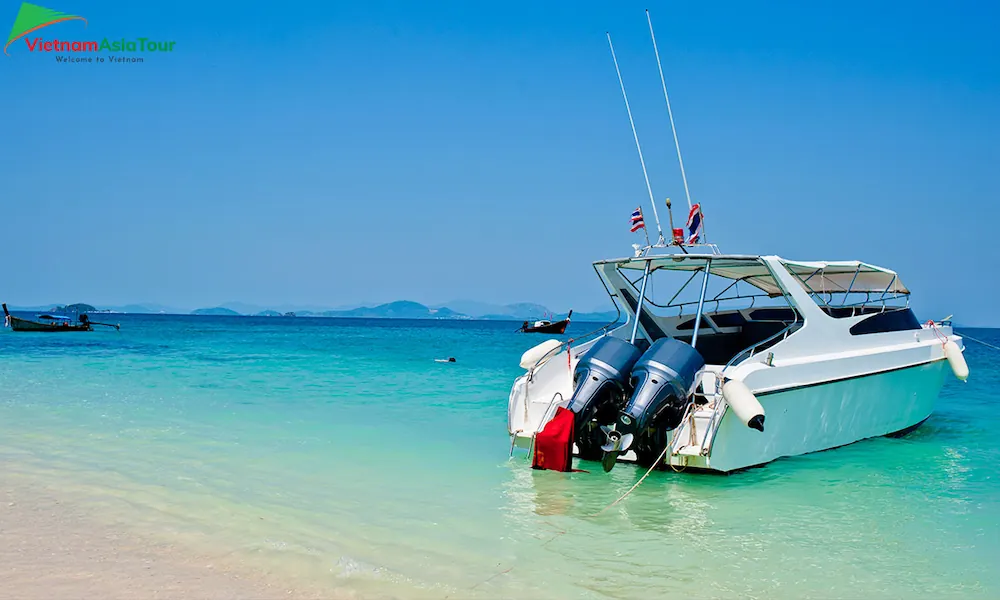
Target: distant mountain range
[[217, 311], [406, 309], [402, 309]]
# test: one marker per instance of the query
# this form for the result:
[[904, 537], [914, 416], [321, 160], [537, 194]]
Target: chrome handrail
[[548, 409], [711, 423], [543, 421], [559, 348], [784, 332], [720, 405]]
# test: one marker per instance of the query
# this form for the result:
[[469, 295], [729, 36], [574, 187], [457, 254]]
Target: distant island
[[78, 308], [216, 312], [401, 309]]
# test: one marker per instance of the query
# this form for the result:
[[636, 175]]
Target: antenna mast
[[669, 112], [636, 136]]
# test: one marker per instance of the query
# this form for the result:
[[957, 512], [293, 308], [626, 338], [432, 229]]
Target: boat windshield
[[744, 308]]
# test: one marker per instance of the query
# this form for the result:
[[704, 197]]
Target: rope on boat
[[937, 333], [940, 336], [637, 483], [964, 335], [987, 344]]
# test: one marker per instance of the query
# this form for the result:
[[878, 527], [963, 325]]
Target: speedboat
[[787, 358], [761, 358]]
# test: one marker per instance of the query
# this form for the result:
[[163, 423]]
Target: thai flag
[[637, 223], [694, 224]]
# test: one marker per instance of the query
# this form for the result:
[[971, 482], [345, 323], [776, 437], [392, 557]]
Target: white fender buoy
[[533, 355], [957, 360], [744, 404]]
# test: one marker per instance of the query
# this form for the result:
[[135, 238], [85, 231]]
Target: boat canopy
[[849, 276], [54, 317]]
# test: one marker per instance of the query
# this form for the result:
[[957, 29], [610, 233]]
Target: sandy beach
[[54, 548]]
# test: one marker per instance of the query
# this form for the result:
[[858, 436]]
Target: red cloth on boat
[[554, 443]]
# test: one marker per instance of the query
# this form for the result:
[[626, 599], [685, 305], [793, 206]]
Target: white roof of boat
[[819, 276]]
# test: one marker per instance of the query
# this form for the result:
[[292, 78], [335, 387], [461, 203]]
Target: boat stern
[[535, 395]]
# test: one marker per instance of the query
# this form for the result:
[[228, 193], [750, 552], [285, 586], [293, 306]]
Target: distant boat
[[47, 322], [546, 326]]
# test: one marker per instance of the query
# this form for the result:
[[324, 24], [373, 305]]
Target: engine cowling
[[662, 381], [601, 385]]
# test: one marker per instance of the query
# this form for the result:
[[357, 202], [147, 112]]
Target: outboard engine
[[601, 385], [663, 380]]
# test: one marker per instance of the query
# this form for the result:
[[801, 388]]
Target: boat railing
[[585, 338], [751, 350], [718, 305], [825, 297], [718, 406], [545, 419], [722, 296]]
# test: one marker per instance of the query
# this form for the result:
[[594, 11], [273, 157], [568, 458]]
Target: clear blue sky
[[330, 153]]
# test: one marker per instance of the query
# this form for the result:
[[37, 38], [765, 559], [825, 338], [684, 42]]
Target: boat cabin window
[[888, 308], [899, 319]]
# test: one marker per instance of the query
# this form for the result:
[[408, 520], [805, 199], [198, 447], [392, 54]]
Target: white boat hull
[[810, 405], [824, 416]]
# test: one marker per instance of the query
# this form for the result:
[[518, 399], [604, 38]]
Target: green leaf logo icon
[[31, 18]]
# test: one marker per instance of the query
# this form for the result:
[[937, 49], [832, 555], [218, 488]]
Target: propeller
[[616, 445]]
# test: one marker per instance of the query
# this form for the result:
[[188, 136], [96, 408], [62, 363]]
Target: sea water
[[339, 451]]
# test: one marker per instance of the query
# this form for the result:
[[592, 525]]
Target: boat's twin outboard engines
[[625, 399], [600, 389], [663, 380]]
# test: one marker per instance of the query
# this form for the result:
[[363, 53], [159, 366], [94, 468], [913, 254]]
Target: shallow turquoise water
[[339, 451]]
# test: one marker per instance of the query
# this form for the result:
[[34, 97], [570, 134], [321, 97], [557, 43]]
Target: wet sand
[[51, 548]]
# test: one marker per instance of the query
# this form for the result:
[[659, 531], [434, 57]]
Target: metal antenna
[[669, 112], [636, 135]]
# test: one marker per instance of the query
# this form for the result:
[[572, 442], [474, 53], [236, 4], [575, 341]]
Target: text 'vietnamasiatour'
[[105, 45]]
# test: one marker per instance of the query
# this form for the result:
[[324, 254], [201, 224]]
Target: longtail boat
[[546, 326], [47, 322]]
